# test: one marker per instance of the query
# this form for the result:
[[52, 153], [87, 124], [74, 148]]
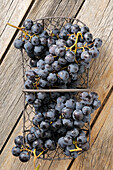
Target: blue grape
[[18, 43], [28, 24]]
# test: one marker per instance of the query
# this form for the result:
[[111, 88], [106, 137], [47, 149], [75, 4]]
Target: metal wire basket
[[50, 23]]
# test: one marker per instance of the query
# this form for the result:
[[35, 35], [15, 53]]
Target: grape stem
[[21, 29], [77, 148], [35, 157]]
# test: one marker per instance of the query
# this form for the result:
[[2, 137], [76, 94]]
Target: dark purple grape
[[43, 41], [50, 144], [67, 112], [38, 50], [61, 142], [52, 78], [44, 125], [31, 137], [33, 63], [28, 24], [88, 37], [73, 133], [68, 123], [35, 40], [75, 28], [67, 26], [24, 156], [50, 41], [60, 43], [97, 42], [62, 61], [94, 52], [49, 59], [16, 151], [37, 28], [60, 51], [19, 140], [68, 140], [37, 119], [70, 56], [52, 49], [56, 66], [77, 115], [84, 29], [81, 139], [38, 144], [70, 103], [18, 43], [30, 74], [28, 46], [86, 110]]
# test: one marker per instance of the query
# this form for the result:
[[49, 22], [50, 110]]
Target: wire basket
[[50, 23]]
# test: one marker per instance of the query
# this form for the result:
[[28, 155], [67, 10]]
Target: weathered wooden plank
[[65, 161], [100, 155], [13, 12], [7, 160], [12, 83], [101, 81], [10, 69], [106, 121]]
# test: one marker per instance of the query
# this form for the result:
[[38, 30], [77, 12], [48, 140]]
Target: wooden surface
[[12, 12], [100, 155], [11, 68], [98, 17]]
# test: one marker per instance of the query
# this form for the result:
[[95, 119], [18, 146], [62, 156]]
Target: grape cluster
[[57, 58], [58, 121]]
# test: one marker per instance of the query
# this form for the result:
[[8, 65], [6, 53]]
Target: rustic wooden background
[[98, 15]]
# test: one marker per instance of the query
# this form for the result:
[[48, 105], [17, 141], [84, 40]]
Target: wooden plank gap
[[9, 136], [79, 8], [94, 121], [102, 106], [16, 32]]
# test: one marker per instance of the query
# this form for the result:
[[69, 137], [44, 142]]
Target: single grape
[[24, 156], [49, 59], [88, 37], [50, 144], [28, 24], [84, 29], [18, 43], [30, 98], [37, 28], [70, 56], [16, 151], [77, 115], [28, 46], [97, 42], [19, 140], [75, 28], [35, 40]]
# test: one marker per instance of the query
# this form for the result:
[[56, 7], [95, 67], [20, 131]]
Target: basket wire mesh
[[50, 23]]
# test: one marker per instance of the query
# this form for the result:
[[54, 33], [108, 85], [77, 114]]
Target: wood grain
[[100, 155], [46, 8], [11, 69], [101, 26], [12, 12], [8, 161]]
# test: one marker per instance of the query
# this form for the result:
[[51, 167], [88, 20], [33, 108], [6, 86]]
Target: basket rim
[[60, 17], [56, 90]]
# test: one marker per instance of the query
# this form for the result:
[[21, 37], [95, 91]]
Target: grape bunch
[[56, 58], [58, 123], [59, 56]]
